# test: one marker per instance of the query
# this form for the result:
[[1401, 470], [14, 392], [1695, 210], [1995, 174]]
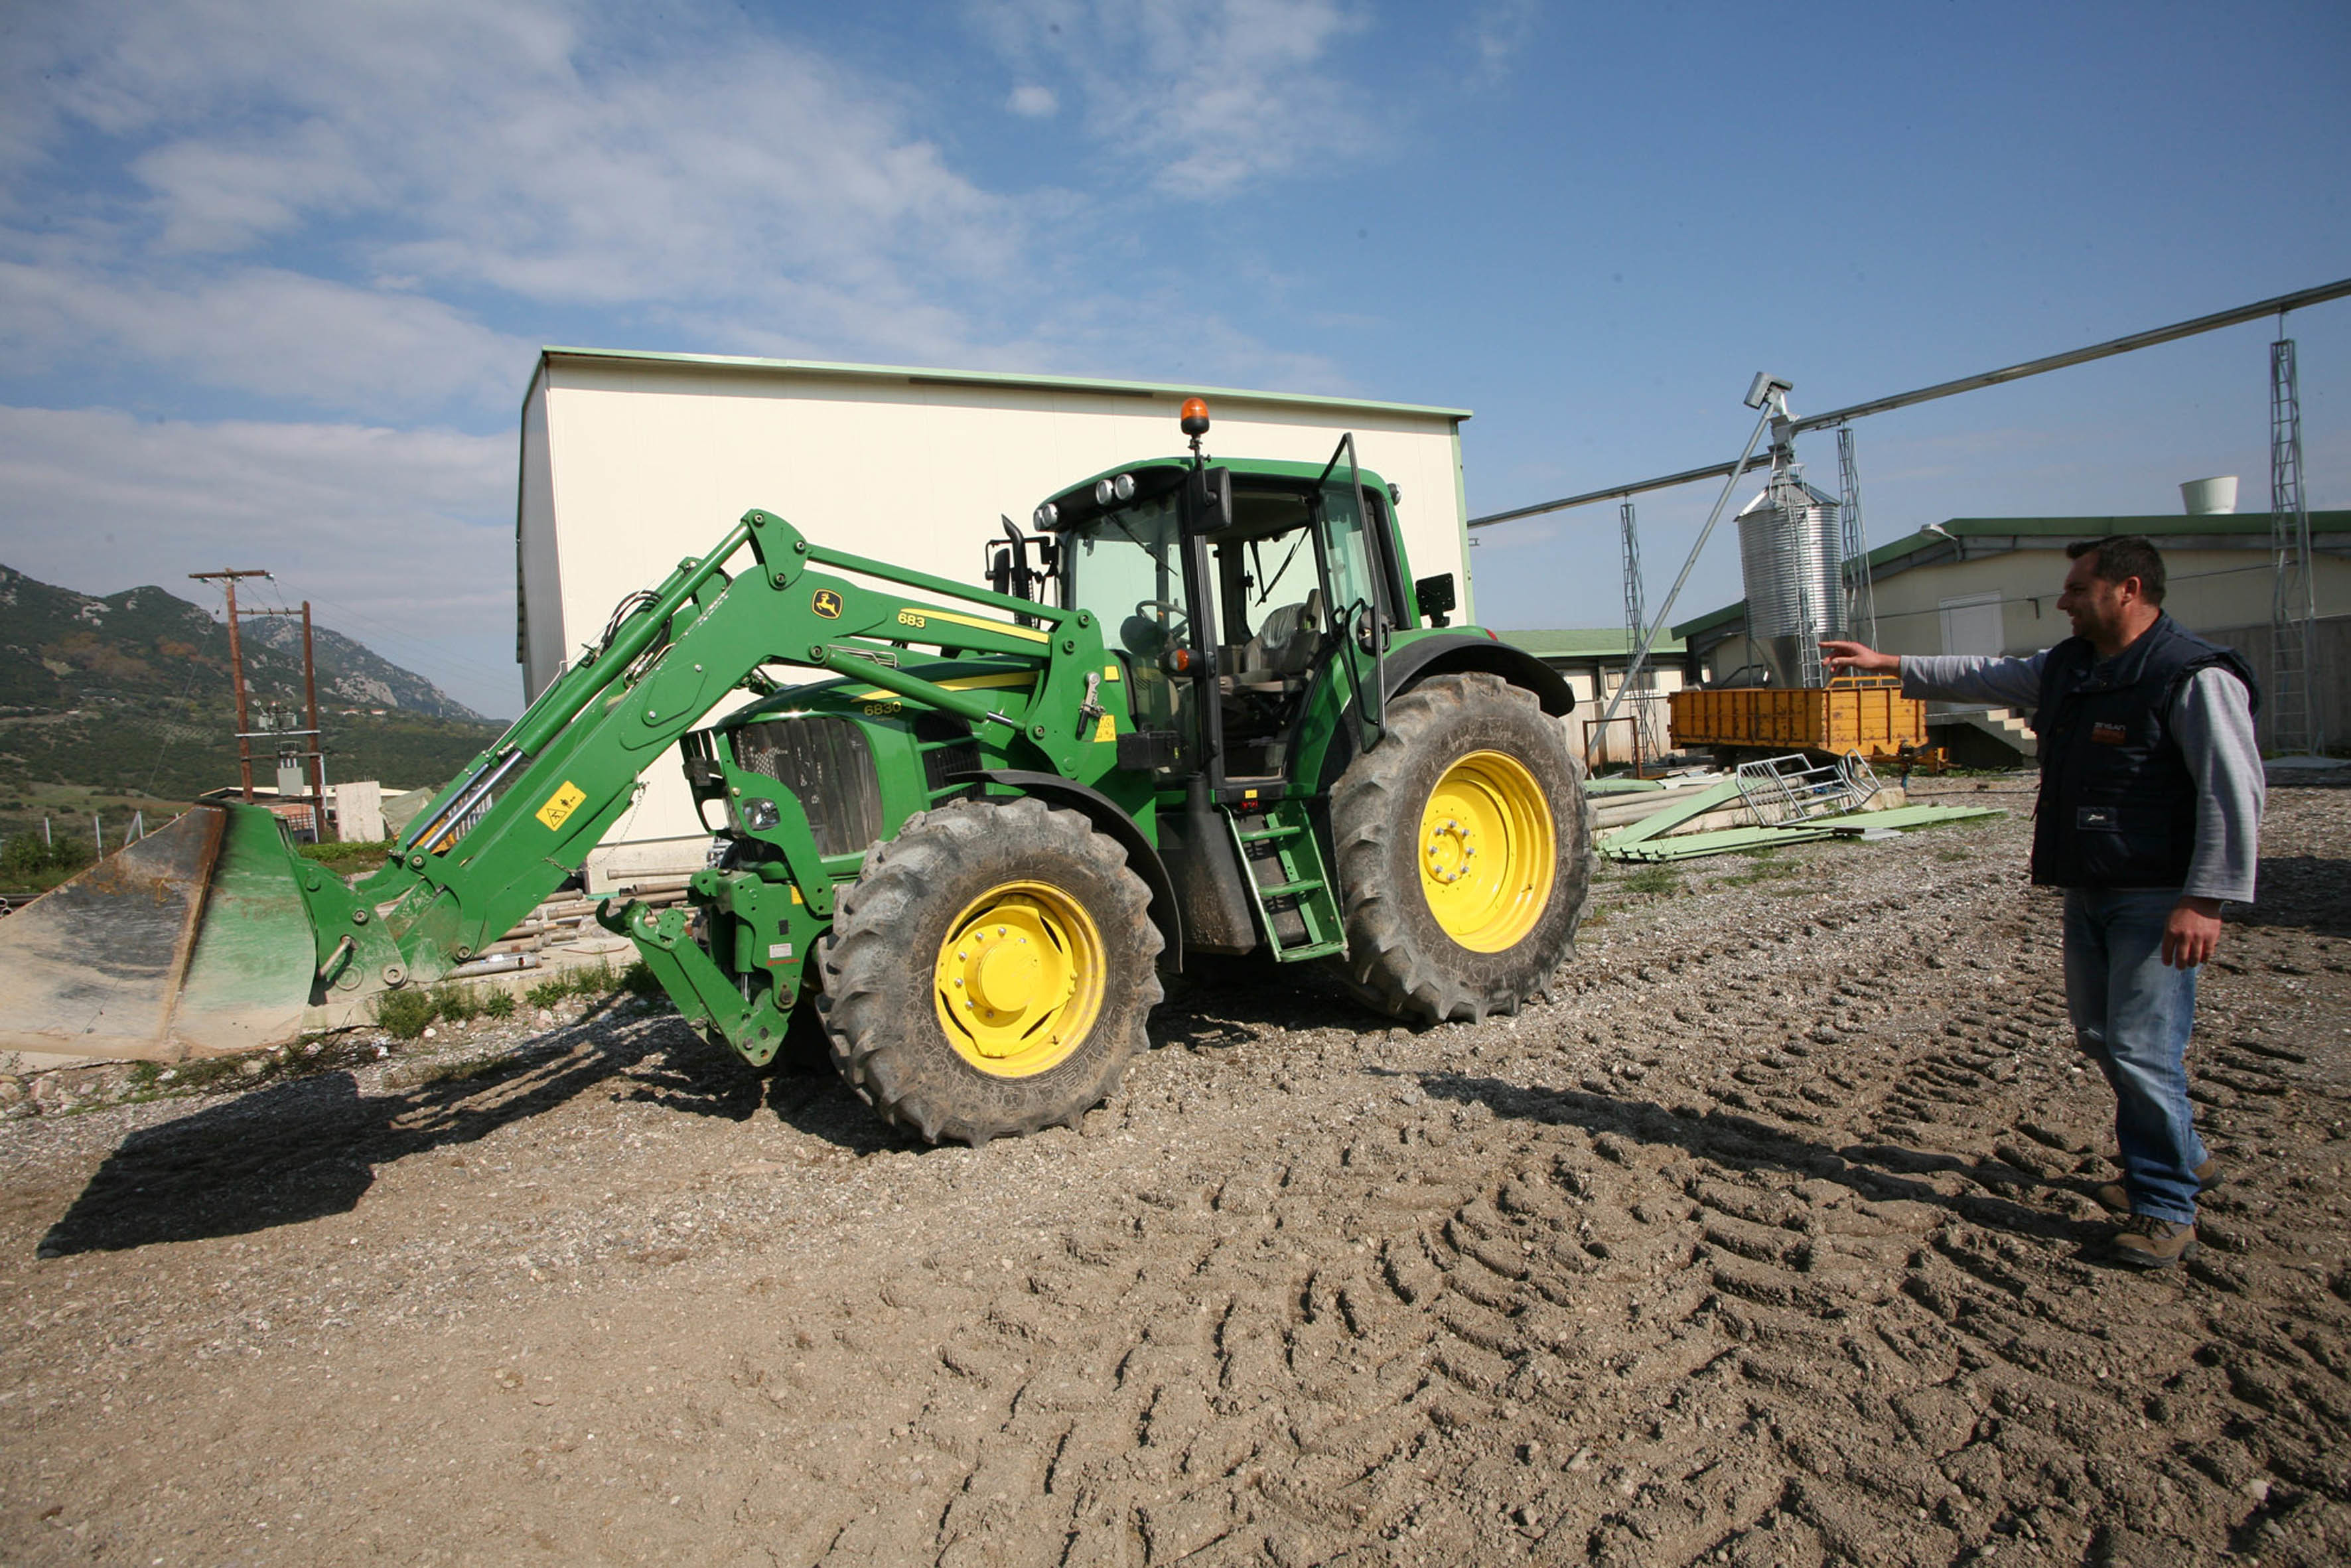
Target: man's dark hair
[[2121, 555]]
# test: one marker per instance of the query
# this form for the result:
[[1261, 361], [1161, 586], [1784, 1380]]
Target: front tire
[[1464, 849], [990, 971]]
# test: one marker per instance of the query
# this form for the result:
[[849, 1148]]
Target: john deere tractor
[[1197, 712]]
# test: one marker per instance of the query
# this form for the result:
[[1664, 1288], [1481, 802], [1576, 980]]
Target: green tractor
[[1196, 713]]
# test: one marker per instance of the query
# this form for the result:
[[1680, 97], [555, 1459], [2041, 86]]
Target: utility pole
[[318, 741], [312, 757], [228, 578]]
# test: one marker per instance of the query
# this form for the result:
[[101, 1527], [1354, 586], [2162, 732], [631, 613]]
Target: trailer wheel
[[1464, 849], [989, 973]]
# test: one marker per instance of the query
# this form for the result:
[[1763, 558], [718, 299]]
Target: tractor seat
[[1285, 643]]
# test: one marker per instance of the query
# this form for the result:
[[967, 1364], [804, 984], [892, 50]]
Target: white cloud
[[381, 209], [1033, 103], [1211, 95], [402, 539], [530, 151], [1499, 32], [266, 330]]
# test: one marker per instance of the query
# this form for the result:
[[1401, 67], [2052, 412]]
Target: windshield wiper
[[1284, 568]]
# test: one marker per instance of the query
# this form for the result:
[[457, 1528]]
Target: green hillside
[[123, 703]]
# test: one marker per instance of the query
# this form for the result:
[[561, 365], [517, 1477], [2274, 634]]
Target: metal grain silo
[[1791, 556]]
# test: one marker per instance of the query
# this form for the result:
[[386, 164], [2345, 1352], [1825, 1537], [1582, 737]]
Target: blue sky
[[273, 274]]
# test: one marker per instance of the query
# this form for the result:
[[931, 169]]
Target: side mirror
[[1435, 598], [1208, 501]]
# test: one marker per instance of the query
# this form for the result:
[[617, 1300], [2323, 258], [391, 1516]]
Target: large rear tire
[[990, 971], [1464, 849]]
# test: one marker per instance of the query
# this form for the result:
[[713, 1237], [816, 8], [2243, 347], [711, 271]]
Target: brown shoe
[[2143, 1242], [2115, 1198]]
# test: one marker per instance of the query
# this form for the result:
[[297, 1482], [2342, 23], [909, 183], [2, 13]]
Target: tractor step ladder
[[1284, 850]]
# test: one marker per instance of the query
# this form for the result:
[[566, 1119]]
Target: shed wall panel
[[646, 463]]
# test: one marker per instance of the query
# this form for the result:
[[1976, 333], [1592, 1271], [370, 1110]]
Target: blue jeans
[[2132, 1012]]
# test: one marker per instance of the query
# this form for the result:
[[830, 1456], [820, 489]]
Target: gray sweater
[[2210, 718]]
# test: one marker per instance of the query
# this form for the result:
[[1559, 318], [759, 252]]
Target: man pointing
[[2149, 818]]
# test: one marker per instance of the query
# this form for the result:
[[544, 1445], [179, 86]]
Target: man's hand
[[2192, 932], [1841, 657]]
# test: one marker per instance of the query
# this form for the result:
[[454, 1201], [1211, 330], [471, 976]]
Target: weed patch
[[1654, 879], [591, 980], [349, 859], [454, 1003], [404, 1013]]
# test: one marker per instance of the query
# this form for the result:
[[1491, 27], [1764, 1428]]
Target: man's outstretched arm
[[1858, 658], [1949, 677]]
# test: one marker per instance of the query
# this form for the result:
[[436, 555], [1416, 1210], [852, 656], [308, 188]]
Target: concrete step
[[2004, 727]]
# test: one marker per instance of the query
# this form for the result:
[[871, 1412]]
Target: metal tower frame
[[1860, 595], [1638, 679], [2294, 723], [1637, 620]]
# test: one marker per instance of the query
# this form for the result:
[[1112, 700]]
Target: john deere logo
[[826, 603]]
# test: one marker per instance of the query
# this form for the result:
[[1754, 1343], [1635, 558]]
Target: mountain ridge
[[122, 702], [60, 647]]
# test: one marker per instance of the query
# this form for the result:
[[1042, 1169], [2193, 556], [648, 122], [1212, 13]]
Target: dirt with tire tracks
[[1764, 1240]]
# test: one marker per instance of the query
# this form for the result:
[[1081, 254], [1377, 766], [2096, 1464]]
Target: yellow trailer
[[1869, 716]]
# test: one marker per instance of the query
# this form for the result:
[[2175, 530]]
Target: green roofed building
[[1990, 585], [1593, 660]]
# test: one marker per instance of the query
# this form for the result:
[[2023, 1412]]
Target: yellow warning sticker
[[1110, 671], [561, 804], [1105, 728]]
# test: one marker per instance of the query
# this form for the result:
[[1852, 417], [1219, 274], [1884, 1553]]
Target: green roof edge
[[1579, 641], [1002, 379], [1686, 630], [2155, 526], [2330, 520]]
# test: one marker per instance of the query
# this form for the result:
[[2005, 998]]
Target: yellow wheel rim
[[1018, 980], [1488, 851]]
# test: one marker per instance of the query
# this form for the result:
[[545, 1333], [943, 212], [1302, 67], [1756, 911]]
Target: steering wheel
[[1178, 628]]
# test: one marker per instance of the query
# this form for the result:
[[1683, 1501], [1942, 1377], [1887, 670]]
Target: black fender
[[1452, 652], [1107, 815], [1447, 653]]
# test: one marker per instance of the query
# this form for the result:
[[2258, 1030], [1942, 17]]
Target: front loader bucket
[[192, 942]]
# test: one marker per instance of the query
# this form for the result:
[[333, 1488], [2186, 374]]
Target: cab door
[[1356, 572]]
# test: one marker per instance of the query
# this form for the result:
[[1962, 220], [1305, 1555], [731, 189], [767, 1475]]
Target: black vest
[[2117, 803]]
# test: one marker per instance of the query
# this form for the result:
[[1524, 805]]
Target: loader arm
[[193, 942], [525, 813]]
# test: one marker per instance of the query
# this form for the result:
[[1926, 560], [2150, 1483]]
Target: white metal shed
[[631, 461]]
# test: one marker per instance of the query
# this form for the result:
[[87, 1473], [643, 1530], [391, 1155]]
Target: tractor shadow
[[1219, 1002], [310, 1147]]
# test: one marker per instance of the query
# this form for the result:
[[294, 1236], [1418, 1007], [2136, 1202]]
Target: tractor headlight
[[1045, 515], [1103, 493], [761, 815], [1124, 486]]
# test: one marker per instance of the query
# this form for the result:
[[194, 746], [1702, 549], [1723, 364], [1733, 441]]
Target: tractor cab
[[1226, 593]]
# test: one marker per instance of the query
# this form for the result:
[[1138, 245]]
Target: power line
[[2178, 330]]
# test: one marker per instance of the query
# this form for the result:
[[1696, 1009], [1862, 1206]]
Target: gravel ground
[[1764, 1241]]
